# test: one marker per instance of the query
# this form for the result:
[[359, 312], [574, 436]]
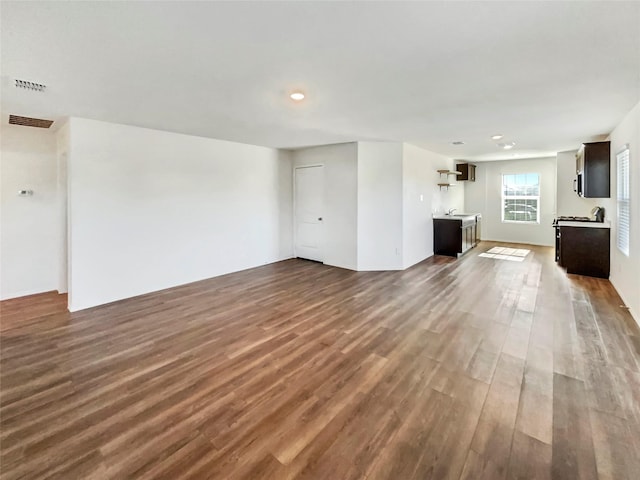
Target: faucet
[[451, 210]]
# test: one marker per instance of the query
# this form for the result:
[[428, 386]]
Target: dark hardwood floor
[[475, 368]]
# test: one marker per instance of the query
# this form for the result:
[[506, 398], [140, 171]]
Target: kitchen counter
[[585, 224], [456, 216]]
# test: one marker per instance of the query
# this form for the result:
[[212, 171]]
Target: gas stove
[[597, 215], [574, 219], [571, 219]]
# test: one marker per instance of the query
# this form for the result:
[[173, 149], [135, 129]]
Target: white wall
[[568, 201], [625, 271], [485, 194], [374, 216], [30, 235], [379, 206], [62, 153], [150, 209], [422, 198], [340, 218]]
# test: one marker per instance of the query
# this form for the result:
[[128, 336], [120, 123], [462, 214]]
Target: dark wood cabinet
[[447, 238], [453, 237], [593, 170], [467, 170], [468, 237], [583, 250]]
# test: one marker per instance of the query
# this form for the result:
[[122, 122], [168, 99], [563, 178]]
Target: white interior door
[[309, 187]]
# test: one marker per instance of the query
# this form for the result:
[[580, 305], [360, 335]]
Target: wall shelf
[[448, 172]]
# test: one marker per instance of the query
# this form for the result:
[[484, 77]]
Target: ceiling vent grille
[[36, 87], [29, 122]]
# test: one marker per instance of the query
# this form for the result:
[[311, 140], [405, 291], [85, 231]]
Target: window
[[521, 198], [624, 201]]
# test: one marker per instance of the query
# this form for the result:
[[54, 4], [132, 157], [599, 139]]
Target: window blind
[[624, 200]]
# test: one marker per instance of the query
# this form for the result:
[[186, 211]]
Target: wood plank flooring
[[476, 368]]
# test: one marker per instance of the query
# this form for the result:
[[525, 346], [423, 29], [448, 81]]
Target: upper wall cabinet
[[593, 170], [467, 172]]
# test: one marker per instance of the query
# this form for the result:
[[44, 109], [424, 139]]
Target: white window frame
[[520, 197], [623, 201]]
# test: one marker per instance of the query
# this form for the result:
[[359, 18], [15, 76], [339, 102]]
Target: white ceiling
[[547, 75]]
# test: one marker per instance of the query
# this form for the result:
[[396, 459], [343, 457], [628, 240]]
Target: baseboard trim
[[27, 293]]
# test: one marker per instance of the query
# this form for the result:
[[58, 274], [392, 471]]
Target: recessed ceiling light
[[496, 137], [297, 96], [457, 142], [507, 146]]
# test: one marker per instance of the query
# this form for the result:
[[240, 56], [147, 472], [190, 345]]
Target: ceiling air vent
[[29, 122], [37, 87]]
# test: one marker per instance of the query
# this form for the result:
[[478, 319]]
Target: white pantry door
[[309, 187]]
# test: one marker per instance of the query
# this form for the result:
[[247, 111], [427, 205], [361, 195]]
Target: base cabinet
[[584, 251], [453, 237]]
